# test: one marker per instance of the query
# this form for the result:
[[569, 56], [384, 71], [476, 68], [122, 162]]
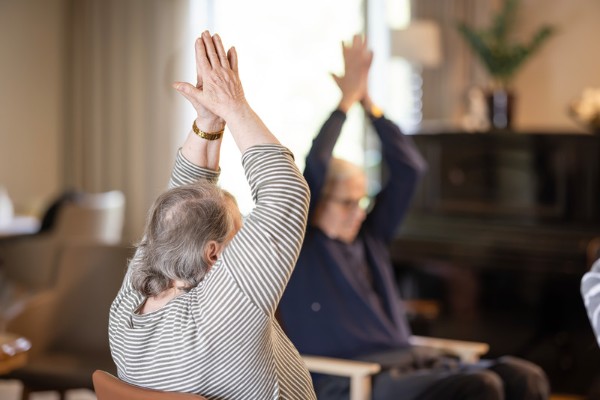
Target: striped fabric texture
[[221, 339], [590, 290]]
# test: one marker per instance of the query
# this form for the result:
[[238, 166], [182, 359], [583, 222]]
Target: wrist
[[370, 108], [211, 124], [345, 105], [238, 112]]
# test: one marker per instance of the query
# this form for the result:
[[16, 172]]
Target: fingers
[[190, 92], [346, 49], [220, 51], [369, 59], [202, 63], [233, 59], [337, 79], [211, 52], [356, 41], [363, 41], [200, 58]]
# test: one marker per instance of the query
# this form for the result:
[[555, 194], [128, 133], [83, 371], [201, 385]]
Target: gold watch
[[375, 111]]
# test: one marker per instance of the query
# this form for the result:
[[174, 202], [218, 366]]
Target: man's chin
[[348, 238]]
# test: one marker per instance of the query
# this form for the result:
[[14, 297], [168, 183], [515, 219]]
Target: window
[[287, 51]]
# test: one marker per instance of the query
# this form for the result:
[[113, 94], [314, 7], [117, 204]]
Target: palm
[[357, 61]]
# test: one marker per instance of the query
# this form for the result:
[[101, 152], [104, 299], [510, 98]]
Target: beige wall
[[567, 64], [31, 98]]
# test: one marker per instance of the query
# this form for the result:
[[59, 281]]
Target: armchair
[[360, 372], [67, 322]]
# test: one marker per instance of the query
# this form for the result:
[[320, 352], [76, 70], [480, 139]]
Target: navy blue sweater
[[324, 310]]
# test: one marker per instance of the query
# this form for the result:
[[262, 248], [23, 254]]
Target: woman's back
[[221, 339]]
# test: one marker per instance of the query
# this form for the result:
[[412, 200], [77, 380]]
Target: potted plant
[[502, 57]]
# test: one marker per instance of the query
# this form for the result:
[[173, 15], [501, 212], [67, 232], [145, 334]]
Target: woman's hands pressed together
[[218, 97], [219, 90]]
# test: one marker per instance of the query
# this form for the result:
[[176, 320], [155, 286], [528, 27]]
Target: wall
[[31, 98], [567, 63]]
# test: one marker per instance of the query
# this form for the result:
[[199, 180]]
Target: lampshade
[[418, 43]]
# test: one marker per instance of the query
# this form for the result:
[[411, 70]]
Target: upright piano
[[500, 232]]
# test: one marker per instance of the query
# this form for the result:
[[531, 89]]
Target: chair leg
[[360, 388]]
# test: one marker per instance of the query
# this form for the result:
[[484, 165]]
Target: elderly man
[[342, 301]]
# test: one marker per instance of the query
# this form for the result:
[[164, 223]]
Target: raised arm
[[199, 157], [353, 86], [263, 253], [403, 166], [221, 92]]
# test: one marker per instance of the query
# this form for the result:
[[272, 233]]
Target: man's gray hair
[[181, 223], [339, 170]]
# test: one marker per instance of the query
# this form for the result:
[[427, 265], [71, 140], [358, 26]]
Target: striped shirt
[[590, 290], [221, 339]]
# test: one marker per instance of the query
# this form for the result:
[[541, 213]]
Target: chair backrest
[[72, 315], [29, 261], [88, 279], [109, 387], [92, 217]]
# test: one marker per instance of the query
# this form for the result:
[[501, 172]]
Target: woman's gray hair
[[181, 223]]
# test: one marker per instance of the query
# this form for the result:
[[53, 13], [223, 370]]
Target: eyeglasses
[[350, 204]]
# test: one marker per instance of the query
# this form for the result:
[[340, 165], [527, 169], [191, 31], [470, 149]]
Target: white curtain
[[124, 121]]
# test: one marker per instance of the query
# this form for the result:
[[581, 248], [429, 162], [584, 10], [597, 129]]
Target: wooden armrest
[[465, 350], [359, 373], [340, 367], [13, 352], [36, 322]]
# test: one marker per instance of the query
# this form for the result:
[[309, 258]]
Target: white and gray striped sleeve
[[590, 290], [262, 255], [185, 172]]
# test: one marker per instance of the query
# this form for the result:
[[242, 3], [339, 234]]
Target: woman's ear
[[212, 252]]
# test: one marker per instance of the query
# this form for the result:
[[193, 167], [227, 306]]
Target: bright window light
[[287, 51]]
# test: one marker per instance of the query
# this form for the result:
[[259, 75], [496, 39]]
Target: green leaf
[[501, 58]]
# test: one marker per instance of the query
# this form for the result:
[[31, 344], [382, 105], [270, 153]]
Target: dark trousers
[[417, 374]]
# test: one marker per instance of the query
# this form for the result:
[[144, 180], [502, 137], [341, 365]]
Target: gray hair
[[181, 223], [339, 170]]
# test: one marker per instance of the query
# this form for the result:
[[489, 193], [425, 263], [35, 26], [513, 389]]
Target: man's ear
[[211, 252]]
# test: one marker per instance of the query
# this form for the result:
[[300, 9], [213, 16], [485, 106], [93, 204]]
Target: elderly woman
[[196, 310]]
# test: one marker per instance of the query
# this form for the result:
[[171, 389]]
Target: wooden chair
[[109, 387], [360, 372]]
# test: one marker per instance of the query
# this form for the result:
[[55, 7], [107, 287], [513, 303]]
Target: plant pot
[[500, 104]]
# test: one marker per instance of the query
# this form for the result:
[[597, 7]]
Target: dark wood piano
[[500, 232]]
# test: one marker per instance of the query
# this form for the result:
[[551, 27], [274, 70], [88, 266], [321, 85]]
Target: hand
[[219, 92], [354, 83], [207, 120]]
